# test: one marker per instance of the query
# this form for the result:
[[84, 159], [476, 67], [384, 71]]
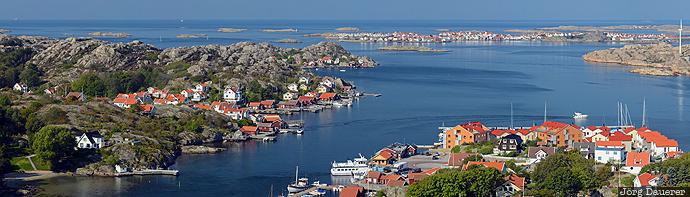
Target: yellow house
[[383, 158]]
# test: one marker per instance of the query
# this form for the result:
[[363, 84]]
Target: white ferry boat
[[350, 167], [580, 116]]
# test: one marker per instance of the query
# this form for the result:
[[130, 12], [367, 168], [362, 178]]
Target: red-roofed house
[[373, 177], [254, 105], [500, 166], [328, 96], [513, 185], [352, 191], [267, 104], [634, 162], [148, 109], [646, 180], [125, 102], [456, 160], [383, 158], [249, 130]]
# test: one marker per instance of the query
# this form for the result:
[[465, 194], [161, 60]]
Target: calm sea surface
[[421, 91]]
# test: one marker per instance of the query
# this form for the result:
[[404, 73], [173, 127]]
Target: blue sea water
[[421, 91]]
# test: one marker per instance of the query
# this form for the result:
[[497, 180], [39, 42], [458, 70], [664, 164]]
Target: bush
[[456, 149]]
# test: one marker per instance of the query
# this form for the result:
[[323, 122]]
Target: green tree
[[565, 174], [91, 84], [476, 181], [31, 75], [675, 169], [456, 149], [56, 145]]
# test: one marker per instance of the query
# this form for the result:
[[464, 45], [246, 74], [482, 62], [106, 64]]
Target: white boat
[[283, 131], [337, 104], [350, 167], [299, 185], [318, 192], [299, 131], [342, 70], [580, 116]]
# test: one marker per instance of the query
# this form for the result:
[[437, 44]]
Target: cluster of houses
[[631, 148], [386, 166], [450, 36]]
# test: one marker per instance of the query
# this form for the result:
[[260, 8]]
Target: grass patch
[[22, 163]]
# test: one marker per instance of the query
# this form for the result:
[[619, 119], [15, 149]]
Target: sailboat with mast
[[299, 185]]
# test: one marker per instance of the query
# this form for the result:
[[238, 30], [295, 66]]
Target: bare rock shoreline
[[655, 59]]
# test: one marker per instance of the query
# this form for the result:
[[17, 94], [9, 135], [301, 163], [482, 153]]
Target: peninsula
[[411, 48], [654, 59], [141, 106]]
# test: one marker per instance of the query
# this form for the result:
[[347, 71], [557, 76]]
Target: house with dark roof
[[509, 143], [585, 148], [90, 140], [540, 152]]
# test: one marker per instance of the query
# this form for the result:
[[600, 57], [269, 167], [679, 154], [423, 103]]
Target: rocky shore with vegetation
[[654, 59], [38, 122]]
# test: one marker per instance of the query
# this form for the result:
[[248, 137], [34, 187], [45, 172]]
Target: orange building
[[456, 136]]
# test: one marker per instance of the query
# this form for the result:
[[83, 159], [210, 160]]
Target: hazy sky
[[347, 9]]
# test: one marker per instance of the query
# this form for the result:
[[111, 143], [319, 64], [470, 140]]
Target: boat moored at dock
[[350, 167]]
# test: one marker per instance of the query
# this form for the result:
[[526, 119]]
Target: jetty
[[314, 188], [372, 94]]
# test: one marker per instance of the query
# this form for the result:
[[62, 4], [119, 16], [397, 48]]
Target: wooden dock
[[313, 188]]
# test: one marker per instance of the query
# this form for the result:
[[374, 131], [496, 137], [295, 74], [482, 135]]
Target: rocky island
[[288, 40], [348, 29], [230, 30], [191, 36], [653, 59], [411, 48], [280, 30], [109, 34], [2, 31], [101, 70]]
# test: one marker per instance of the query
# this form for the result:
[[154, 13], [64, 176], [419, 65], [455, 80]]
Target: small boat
[[299, 131], [337, 104], [318, 192], [580, 116], [350, 167], [342, 70], [299, 185]]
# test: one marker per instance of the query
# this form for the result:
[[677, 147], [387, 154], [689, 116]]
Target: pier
[[313, 188]]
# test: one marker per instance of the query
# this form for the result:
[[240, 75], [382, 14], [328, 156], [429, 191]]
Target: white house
[[289, 96], [328, 83], [303, 80], [322, 89], [646, 180], [513, 185], [198, 96], [635, 161], [292, 87], [609, 151], [90, 140], [201, 87], [187, 93], [236, 114], [232, 94], [21, 87]]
